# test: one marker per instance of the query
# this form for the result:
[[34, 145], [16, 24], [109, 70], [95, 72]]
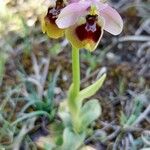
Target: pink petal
[[71, 13], [113, 21]]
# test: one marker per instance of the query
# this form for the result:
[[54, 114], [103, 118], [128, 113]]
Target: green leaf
[[64, 114], [30, 115], [51, 87], [3, 58], [73, 102], [131, 120], [89, 112], [138, 105], [72, 140], [48, 146], [92, 89], [57, 129], [123, 118]]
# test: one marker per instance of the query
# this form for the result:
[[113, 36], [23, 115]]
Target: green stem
[[76, 71], [76, 87], [73, 103]]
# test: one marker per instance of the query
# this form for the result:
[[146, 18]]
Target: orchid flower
[[48, 23], [84, 22]]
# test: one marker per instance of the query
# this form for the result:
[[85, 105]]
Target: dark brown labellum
[[53, 12], [90, 30]]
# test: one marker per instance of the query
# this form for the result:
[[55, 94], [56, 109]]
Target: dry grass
[[29, 61]]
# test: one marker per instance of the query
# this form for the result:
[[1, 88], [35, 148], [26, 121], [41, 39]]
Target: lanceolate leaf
[[92, 89]]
